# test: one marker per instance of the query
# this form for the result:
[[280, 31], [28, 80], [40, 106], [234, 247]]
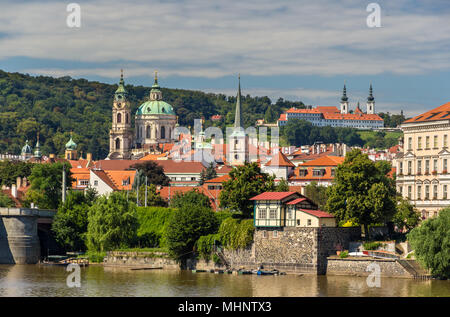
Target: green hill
[[57, 106]]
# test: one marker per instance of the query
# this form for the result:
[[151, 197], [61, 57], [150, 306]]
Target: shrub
[[236, 233], [152, 224], [343, 254], [372, 245], [205, 245]]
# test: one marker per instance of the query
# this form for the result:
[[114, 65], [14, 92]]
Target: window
[[84, 182], [427, 192], [435, 142], [427, 142], [444, 166], [400, 168], [444, 192], [262, 214], [435, 167], [435, 191], [333, 172], [273, 214], [119, 118], [320, 172], [410, 143], [409, 167], [445, 140], [95, 183], [290, 212], [419, 192], [427, 166], [264, 233], [298, 222], [409, 192], [125, 182], [309, 222], [419, 143], [148, 132], [419, 167], [275, 234]]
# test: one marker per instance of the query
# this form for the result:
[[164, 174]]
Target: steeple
[[344, 101], [370, 102], [121, 92], [237, 117], [155, 92], [37, 151]]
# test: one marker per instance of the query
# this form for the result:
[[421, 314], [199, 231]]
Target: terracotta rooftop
[[273, 195], [279, 159], [318, 213], [105, 178], [439, 113], [219, 179], [327, 160]]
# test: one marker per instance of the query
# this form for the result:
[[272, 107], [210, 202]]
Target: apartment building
[[422, 166]]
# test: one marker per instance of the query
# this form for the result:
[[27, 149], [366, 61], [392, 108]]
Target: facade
[[320, 170], [288, 209], [331, 116], [155, 122], [279, 166], [422, 166]]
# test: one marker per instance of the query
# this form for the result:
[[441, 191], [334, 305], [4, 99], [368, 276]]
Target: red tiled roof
[[273, 195], [279, 159], [219, 179], [295, 110], [440, 113], [318, 213], [296, 201], [282, 117], [351, 116], [331, 109], [327, 160], [105, 178]]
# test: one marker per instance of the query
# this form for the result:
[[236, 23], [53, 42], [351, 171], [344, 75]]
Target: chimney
[[89, 157], [14, 190], [19, 182]]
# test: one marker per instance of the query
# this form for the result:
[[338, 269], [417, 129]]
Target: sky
[[294, 49]]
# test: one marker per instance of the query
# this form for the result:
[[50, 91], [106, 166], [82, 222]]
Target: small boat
[[198, 271], [146, 268], [244, 272], [272, 272]]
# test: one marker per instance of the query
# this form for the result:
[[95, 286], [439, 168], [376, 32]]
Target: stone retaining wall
[[140, 259], [358, 266]]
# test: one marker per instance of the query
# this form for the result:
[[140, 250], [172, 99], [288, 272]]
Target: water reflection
[[36, 280]]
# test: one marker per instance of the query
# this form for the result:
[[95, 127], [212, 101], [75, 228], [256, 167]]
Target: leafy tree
[[11, 170], [71, 221], [5, 201], [46, 184], [208, 173], [245, 182], [407, 217], [186, 226], [192, 197], [282, 186], [152, 226], [112, 223], [317, 193], [153, 197], [431, 244], [361, 191], [153, 171]]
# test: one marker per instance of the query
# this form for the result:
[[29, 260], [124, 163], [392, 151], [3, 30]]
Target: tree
[[317, 193], [431, 244], [112, 223], [245, 182], [208, 173], [192, 197], [5, 201], [153, 171], [282, 186], [407, 217], [46, 184], [71, 221], [11, 170], [153, 197], [186, 226], [361, 191]]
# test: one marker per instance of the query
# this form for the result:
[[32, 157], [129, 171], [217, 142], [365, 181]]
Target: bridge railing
[[31, 212]]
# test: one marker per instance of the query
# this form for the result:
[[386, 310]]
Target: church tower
[[120, 135], [370, 102], [238, 141], [344, 101]]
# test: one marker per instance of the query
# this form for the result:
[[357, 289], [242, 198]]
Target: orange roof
[[331, 109], [117, 177], [351, 116], [318, 213], [153, 157], [327, 160], [279, 159], [273, 195], [439, 113], [295, 110], [105, 178], [282, 117], [219, 179]]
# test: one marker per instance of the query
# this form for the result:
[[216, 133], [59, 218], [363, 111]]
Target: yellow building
[[422, 167]]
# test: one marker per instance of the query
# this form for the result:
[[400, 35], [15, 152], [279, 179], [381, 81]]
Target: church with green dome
[[155, 122]]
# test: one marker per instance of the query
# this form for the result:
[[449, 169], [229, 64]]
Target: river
[[96, 280]]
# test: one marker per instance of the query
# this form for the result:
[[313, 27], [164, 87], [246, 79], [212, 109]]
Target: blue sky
[[298, 50]]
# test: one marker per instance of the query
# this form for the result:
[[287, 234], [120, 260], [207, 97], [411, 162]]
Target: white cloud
[[216, 38]]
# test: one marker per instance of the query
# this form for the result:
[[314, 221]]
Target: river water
[[96, 280]]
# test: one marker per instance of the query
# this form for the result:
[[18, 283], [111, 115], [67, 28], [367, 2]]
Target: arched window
[[117, 144], [148, 132], [119, 118], [126, 118], [163, 132]]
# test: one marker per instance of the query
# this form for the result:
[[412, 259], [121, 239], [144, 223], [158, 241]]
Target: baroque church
[[155, 121]]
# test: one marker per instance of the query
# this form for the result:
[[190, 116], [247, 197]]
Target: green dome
[[155, 107], [71, 145], [26, 149]]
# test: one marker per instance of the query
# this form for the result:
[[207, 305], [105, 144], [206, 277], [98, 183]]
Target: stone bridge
[[20, 233]]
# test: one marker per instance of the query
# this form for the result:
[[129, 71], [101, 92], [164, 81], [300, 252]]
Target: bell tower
[[344, 101], [370, 102], [120, 135]]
